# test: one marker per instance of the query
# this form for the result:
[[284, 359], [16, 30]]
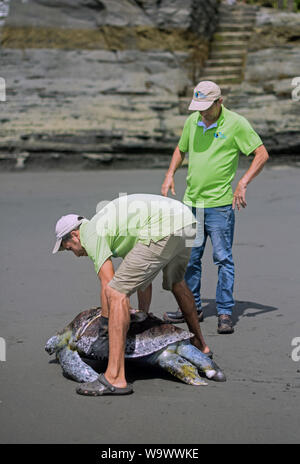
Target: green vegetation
[[290, 5]]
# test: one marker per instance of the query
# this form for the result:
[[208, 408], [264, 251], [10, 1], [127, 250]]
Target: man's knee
[[112, 294], [179, 286], [222, 257]]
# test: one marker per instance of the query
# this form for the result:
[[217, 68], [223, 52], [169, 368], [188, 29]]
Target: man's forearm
[[176, 161], [177, 158], [260, 159]]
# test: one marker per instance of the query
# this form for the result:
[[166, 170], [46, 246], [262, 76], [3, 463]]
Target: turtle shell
[[147, 334]]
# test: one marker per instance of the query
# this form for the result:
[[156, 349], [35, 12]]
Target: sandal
[[101, 387]]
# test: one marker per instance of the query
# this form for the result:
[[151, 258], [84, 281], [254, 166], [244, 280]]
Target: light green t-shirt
[[129, 219], [213, 157]]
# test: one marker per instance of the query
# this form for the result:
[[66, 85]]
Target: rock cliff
[[99, 79], [93, 82], [270, 93]]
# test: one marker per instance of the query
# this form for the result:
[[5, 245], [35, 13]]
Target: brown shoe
[[225, 325]]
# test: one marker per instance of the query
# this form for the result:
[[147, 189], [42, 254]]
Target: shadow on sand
[[239, 310]]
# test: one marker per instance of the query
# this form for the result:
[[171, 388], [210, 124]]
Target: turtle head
[[57, 342], [52, 344]]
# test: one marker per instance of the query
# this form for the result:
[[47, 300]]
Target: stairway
[[228, 50]]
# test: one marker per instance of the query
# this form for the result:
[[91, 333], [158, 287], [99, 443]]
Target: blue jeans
[[218, 224]]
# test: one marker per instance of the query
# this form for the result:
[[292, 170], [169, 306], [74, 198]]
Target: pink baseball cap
[[205, 93], [64, 226]]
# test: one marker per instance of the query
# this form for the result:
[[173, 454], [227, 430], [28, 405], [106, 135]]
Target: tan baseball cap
[[64, 226], [205, 93]]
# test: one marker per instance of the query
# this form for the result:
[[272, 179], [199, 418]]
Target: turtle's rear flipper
[[74, 368], [201, 361], [180, 368]]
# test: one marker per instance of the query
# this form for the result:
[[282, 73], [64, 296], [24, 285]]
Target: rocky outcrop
[[268, 96], [91, 14], [107, 83], [275, 28], [94, 81]]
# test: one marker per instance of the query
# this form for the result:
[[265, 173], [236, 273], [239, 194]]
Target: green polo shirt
[[213, 157], [129, 219]]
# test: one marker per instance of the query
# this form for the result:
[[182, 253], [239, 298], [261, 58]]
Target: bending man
[[151, 233]]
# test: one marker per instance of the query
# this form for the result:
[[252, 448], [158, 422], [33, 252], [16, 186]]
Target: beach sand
[[40, 293]]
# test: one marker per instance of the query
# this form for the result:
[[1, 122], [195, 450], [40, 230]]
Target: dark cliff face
[[95, 80], [196, 15], [270, 93], [110, 24], [101, 81]]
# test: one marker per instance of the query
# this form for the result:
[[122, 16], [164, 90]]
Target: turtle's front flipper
[[201, 361], [73, 366], [179, 367]]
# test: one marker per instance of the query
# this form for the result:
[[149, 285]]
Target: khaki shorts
[[142, 264]]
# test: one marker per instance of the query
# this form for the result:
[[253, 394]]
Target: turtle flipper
[[201, 361], [73, 366], [179, 367]]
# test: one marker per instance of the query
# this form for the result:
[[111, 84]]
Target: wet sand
[[40, 293]]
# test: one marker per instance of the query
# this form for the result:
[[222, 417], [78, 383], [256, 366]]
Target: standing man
[[214, 136], [151, 233]]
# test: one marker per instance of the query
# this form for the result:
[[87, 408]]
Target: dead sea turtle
[[149, 339]]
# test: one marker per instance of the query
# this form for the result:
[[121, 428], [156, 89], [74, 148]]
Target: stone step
[[235, 8], [225, 61], [222, 70], [220, 54], [237, 14], [231, 36], [230, 79], [236, 20], [230, 45], [248, 8], [234, 27]]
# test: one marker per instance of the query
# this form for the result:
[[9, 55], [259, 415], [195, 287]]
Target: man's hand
[[177, 159], [260, 159], [168, 184], [204, 349], [239, 196]]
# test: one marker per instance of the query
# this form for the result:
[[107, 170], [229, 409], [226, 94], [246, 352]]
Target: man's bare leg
[[118, 325], [144, 298], [186, 302]]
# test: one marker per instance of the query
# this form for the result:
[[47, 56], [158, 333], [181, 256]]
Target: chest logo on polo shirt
[[219, 135]]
